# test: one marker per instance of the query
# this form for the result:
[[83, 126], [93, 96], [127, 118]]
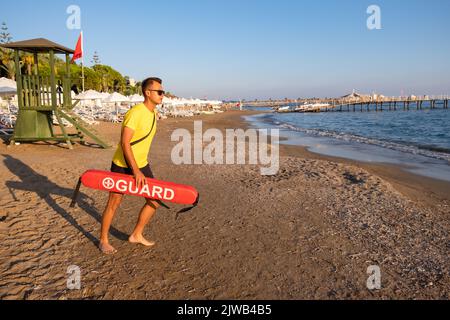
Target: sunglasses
[[159, 92]]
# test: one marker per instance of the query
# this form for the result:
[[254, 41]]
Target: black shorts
[[145, 170]]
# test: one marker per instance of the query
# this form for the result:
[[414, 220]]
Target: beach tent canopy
[[116, 97], [39, 45], [89, 95]]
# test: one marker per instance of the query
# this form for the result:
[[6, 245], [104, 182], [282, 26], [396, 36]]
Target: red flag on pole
[[79, 48]]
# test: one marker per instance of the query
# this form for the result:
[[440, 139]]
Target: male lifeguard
[[138, 130]]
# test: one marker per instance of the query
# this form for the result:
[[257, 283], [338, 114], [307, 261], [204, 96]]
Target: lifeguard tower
[[42, 97]]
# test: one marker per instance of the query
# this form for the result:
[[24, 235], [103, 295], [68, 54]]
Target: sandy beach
[[309, 232]]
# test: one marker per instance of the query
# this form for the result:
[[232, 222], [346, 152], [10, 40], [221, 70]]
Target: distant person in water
[[138, 130]]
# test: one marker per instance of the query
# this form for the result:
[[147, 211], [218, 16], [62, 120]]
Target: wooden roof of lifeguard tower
[[39, 45]]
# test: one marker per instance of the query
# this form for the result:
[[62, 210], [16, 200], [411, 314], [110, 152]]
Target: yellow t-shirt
[[140, 119]]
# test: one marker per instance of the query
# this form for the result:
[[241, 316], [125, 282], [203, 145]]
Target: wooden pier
[[392, 104], [387, 105]]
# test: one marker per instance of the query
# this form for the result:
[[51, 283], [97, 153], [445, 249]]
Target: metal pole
[[18, 79], [82, 61], [82, 75], [38, 82], [66, 86], [52, 79]]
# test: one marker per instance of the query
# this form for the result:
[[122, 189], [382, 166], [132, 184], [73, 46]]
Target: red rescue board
[[126, 184]]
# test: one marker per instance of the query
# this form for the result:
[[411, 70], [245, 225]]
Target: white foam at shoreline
[[347, 137], [385, 144]]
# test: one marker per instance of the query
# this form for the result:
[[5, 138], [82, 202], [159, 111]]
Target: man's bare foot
[[106, 248], [141, 240]]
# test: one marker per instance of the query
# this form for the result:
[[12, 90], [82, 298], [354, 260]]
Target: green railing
[[37, 93]]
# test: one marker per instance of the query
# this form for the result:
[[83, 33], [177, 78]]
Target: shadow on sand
[[34, 182]]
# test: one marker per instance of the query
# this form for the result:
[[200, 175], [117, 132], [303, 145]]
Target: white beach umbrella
[[190, 102], [6, 91], [166, 100], [104, 95], [89, 95], [180, 102], [7, 87], [169, 101], [137, 98], [5, 82], [116, 97]]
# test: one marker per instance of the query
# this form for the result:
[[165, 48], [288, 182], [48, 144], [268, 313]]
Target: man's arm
[[127, 135]]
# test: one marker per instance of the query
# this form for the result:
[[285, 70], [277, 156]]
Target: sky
[[255, 49]]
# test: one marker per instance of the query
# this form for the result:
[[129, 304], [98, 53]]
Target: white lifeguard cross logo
[[108, 183]]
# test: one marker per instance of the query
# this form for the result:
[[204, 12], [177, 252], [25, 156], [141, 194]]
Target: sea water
[[419, 140]]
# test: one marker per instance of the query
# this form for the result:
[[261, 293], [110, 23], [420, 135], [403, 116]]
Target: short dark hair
[[148, 82]]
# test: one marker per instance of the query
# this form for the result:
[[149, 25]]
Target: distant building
[[377, 97], [355, 97], [132, 82]]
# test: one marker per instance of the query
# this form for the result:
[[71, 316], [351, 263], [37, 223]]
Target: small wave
[[424, 150]]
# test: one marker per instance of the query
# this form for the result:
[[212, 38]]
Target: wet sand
[[309, 232]]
